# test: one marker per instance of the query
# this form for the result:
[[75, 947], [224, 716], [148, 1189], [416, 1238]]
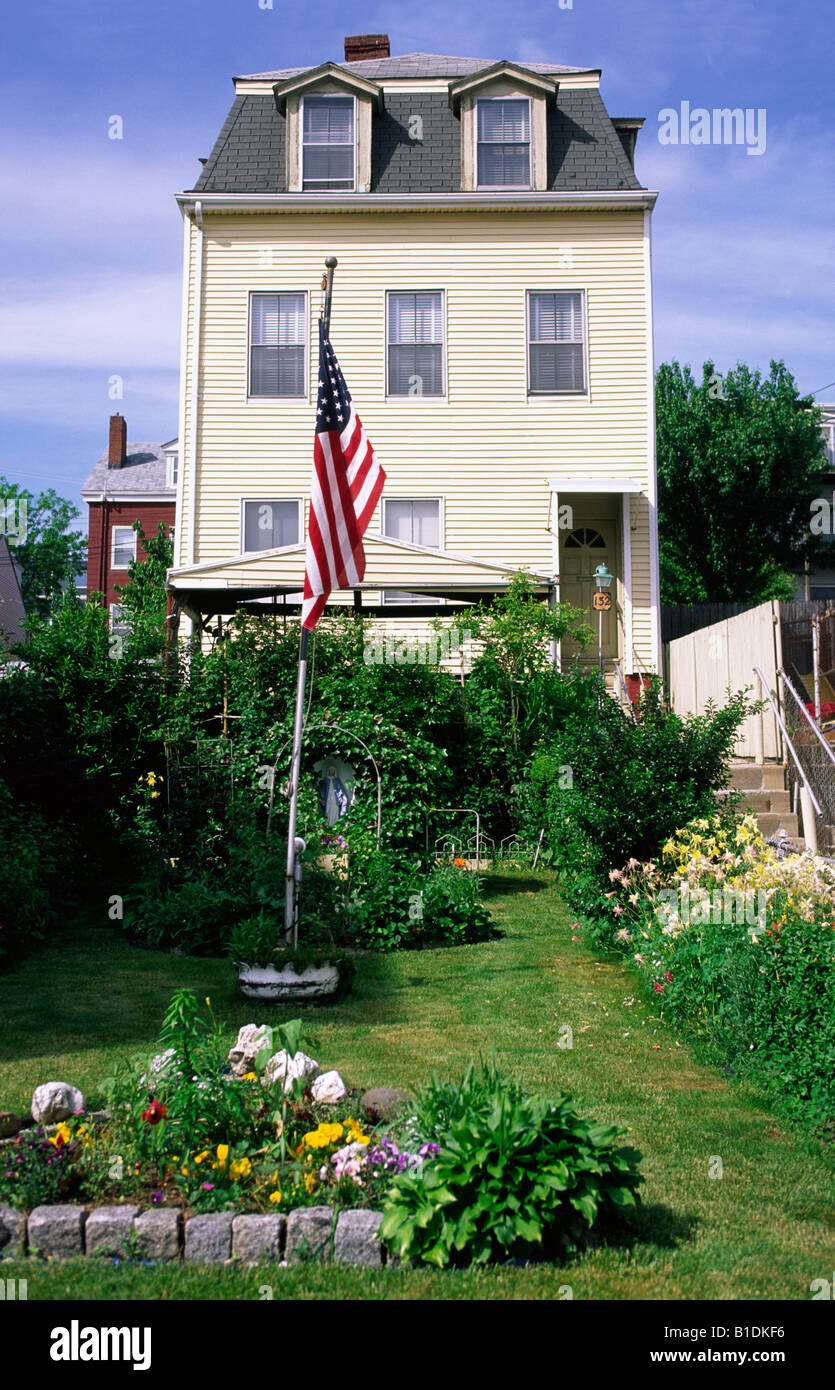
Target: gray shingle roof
[[145, 470], [585, 152], [413, 65]]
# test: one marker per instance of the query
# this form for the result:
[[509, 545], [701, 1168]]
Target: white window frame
[[355, 166], [268, 502], [172, 466], [494, 187], [398, 396], [121, 527], [305, 393], [419, 598], [544, 395]]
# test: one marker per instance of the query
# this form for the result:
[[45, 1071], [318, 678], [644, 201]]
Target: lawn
[[763, 1230]]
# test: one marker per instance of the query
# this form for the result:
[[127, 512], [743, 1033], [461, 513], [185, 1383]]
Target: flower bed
[[737, 944]]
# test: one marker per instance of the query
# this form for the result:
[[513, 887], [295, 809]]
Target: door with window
[[581, 550]]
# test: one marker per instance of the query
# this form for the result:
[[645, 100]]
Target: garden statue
[[336, 781]]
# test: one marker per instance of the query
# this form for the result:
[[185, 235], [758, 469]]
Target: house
[[130, 482], [818, 580], [12, 611], [492, 315]]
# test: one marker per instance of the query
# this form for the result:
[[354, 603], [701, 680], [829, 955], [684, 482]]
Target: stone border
[[306, 1234]]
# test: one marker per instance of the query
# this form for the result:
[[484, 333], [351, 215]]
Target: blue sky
[[91, 236]]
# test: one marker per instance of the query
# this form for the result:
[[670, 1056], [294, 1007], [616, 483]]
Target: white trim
[[181, 404], [544, 395], [498, 200], [195, 386], [489, 187], [268, 501], [265, 86], [400, 396], [652, 483], [115, 499], [121, 526], [626, 579], [571, 482], [355, 120], [304, 395]]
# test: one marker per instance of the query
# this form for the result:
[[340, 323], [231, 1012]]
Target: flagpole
[[292, 881]]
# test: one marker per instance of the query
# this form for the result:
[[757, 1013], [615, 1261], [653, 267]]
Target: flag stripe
[[345, 487]]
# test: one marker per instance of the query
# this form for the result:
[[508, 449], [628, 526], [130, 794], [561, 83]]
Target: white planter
[[266, 982]]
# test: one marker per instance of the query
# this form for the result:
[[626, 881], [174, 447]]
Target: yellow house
[[492, 316]]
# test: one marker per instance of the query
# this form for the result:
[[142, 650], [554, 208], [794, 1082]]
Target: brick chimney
[[117, 448], [362, 46]]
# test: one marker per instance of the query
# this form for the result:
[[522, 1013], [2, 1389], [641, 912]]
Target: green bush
[[608, 789], [26, 872], [514, 1175]]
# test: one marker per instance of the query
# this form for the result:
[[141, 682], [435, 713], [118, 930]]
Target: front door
[[581, 551]]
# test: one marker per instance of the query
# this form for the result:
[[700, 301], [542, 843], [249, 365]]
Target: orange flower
[[460, 863]]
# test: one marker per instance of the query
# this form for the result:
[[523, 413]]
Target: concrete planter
[[268, 983]]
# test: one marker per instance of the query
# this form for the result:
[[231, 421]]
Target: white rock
[[283, 1068], [329, 1088], [160, 1068], [250, 1041], [54, 1101]]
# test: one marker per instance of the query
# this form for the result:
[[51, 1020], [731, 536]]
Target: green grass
[[764, 1230]]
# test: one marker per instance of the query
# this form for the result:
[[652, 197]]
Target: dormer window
[[328, 143], [503, 134]]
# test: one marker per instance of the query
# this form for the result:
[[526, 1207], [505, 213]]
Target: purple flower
[[207, 1186], [156, 1198]]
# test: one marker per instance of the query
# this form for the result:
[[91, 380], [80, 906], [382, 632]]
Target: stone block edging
[[306, 1234]]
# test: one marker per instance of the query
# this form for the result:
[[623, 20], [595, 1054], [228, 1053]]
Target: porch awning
[[220, 586]]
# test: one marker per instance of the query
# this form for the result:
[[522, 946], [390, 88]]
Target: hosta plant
[[514, 1174]]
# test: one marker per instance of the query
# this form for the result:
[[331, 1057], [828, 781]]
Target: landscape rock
[[9, 1124], [55, 1101], [157, 1234], [209, 1238], [308, 1235], [256, 1239], [357, 1240], [283, 1068], [108, 1230], [12, 1233], [250, 1041], [383, 1103], [161, 1066], [329, 1088], [57, 1231]]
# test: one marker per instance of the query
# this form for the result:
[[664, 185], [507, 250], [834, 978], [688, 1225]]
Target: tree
[[143, 600], [738, 461], [49, 552]]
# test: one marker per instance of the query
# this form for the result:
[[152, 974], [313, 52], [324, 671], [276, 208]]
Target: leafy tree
[[143, 599], [50, 553], [738, 461]]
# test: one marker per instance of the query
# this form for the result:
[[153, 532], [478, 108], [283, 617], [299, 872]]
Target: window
[[268, 524], [172, 469], [328, 149], [556, 342], [503, 138], [278, 340], [415, 344], [123, 547], [417, 521]]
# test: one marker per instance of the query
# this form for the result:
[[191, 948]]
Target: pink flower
[[618, 910], [659, 988], [668, 977]]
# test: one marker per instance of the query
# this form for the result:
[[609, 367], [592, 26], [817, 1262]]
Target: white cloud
[[115, 321]]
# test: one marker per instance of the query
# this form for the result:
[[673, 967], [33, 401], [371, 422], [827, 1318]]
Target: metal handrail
[[800, 705], [777, 715]]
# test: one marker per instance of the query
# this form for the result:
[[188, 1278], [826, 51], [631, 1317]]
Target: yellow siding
[[487, 449]]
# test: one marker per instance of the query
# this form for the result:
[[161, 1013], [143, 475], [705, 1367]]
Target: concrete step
[[763, 800], [758, 776], [772, 821]]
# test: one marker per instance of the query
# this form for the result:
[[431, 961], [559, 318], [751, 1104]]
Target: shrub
[[513, 1173], [26, 872]]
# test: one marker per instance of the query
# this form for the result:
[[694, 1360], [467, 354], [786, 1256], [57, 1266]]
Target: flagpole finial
[[331, 261]]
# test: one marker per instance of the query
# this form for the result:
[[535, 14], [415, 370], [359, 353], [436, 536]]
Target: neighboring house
[[130, 482], [12, 612], [492, 315], [819, 581]]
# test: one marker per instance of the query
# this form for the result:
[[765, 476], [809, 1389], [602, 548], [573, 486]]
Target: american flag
[[344, 490]]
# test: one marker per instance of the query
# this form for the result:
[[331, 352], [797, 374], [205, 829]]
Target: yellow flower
[[222, 1156], [201, 1157], [276, 1196], [241, 1168], [309, 1182], [250, 1076], [61, 1135]]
